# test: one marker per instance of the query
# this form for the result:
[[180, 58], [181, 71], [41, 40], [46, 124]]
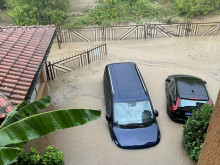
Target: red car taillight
[[210, 103], [174, 107]]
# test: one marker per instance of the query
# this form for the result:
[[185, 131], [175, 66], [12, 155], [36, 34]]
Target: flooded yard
[[83, 88]]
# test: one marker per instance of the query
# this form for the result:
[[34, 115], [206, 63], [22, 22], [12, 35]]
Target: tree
[[2, 4], [38, 12], [24, 124]]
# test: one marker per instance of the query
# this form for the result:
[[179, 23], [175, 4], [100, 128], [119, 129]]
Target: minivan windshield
[[133, 113]]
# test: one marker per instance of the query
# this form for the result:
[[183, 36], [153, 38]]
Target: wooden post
[[88, 57], [59, 41], [105, 49], [47, 71], [51, 74]]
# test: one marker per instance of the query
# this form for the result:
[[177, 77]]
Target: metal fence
[[53, 69], [145, 31]]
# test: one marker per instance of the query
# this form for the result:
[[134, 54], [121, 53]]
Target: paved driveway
[[156, 59]]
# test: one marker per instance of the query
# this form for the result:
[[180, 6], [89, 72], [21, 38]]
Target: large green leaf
[[21, 105], [8, 155], [24, 110], [45, 123]]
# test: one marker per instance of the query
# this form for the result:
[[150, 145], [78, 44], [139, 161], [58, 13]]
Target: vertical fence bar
[[101, 50], [105, 49], [53, 72], [47, 71], [81, 60], [50, 71], [84, 58]]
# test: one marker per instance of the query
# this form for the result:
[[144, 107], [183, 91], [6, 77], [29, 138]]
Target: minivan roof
[[191, 87], [127, 85]]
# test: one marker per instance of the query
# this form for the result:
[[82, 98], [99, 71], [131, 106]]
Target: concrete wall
[[210, 154]]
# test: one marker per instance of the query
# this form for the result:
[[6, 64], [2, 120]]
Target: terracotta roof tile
[[22, 50], [19, 97], [10, 81], [15, 101], [27, 84], [25, 88], [29, 72], [21, 92], [6, 89], [7, 94], [8, 85]]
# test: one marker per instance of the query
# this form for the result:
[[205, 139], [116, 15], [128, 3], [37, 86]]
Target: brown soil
[[156, 59], [81, 6]]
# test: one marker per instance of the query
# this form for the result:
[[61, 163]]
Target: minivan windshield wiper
[[138, 125]]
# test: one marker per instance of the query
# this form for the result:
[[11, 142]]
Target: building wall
[[210, 154], [38, 90]]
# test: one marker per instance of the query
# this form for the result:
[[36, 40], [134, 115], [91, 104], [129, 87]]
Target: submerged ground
[[83, 88]]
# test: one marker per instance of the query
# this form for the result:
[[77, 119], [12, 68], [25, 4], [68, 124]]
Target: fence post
[[59, 41], [53, 71], [105, 49], [47, 71], [51, 74], [88, 57], [145, 31]]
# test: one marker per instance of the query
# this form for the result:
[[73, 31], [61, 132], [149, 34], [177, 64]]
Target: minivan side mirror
[[108, 117], [167, 80], [156, 113], [205, 82]]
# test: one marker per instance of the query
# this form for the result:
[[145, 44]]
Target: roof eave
[[34, 82]]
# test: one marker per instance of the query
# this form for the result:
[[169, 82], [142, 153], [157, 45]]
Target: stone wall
[[210, 154]]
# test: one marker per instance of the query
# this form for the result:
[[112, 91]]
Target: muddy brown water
[[156, 59]]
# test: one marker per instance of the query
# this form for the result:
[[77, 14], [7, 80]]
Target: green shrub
[[111, 12], [52, 156], [195, 131], [29, 158], [191, 8], [38, 12]]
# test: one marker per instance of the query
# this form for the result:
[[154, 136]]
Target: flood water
[[83, 88]]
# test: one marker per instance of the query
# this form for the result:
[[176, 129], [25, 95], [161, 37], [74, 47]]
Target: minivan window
[[109, 106], [172, 90], [133, 113]]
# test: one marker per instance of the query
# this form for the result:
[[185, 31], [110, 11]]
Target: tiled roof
[[5, 106], [22, 52]]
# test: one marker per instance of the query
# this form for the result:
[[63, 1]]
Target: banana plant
[[24, 123]]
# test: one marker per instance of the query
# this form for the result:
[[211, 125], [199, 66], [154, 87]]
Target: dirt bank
[[156, 59]]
